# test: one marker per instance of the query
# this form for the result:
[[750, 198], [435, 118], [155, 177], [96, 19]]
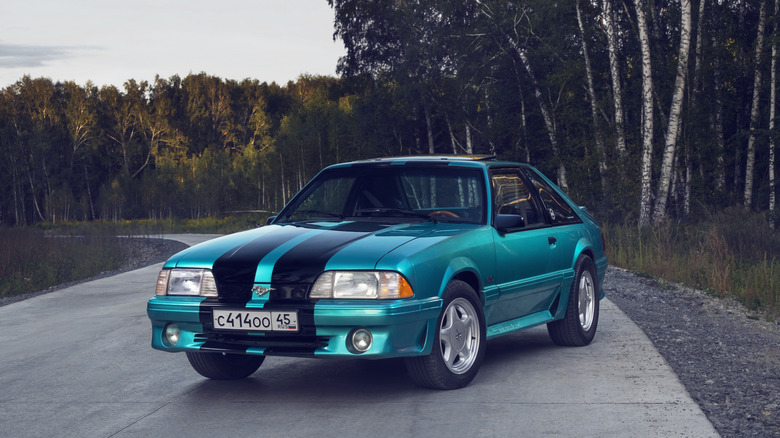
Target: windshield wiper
[[322, 212], [410, 213]]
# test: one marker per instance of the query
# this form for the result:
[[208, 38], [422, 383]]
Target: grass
[[153, 228], [31, 261], [733, 253], [36, 258]]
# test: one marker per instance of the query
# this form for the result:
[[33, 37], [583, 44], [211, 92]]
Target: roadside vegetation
[[46, 255], [158, 227], [732, 253], [31, 260]]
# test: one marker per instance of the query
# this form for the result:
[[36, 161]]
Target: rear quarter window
[[560, 212]]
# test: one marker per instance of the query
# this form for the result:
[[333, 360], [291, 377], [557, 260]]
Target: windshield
[[394, 194]]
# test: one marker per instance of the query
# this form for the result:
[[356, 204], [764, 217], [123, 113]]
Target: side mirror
[[269, 220], [507, 223]]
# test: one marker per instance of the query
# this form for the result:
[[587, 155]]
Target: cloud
[[22, 55]]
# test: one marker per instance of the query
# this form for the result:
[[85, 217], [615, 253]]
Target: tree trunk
[[614, 68], [645, 203], [754, 112], [659, 214], [696, 87], [489, 123], [469, 144], [593, 105], [716, 122], [548, 120], [453, 141], [429, 128], [772, 101]]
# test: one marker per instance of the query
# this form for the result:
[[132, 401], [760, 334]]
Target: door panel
[[528, 260]]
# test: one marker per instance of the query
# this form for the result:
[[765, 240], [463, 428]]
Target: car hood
[[296, 254]]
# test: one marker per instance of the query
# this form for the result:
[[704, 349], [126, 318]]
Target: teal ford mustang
[[424, 258]]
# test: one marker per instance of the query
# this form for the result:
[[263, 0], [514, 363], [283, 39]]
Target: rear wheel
[[223, 366], [459, 342], [578, 326]]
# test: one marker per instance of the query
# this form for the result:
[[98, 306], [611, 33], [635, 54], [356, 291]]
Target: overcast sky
[[109, 41]]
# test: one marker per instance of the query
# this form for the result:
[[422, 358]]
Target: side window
[[513, 197], [560, 212]]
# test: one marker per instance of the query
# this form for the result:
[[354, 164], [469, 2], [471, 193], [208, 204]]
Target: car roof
[[472, 160]]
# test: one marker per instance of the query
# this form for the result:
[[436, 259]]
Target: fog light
[[172, 334], [361, 340]]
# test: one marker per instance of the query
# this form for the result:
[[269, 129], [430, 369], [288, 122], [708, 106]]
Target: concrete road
[[77, 363]]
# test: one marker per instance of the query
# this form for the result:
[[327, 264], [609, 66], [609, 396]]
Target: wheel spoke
[[458, 336], [586, 299]]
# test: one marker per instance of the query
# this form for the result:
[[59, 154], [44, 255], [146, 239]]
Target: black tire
[[222, 366], [457, 354], [578, 326]]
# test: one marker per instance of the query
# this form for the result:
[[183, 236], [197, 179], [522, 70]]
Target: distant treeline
[[645, 108]]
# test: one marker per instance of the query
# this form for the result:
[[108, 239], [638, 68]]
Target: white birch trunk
[[469, 144], [592, 95], [645, 203], [489, 122], [614, 69], [772, 101], [453, 142], [659, 214], [754, 112], [548, 121], [429, 128]]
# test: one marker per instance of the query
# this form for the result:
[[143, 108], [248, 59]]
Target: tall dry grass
[[31, 260], [733, 253]]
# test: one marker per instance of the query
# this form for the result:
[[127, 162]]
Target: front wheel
[[459, 342], [578, 326], [223, 366]]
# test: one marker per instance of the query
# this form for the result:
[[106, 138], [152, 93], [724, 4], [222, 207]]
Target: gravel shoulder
[[727, 358]]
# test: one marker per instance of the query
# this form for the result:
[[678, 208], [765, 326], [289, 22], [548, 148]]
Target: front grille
[[241, 293], [234, 292], [273, 345]]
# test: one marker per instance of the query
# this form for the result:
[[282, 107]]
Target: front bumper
[[399, 328]]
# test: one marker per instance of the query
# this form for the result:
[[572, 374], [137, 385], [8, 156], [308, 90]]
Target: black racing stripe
[[235, 270], [303, 263], [235, 275], [298, 268]]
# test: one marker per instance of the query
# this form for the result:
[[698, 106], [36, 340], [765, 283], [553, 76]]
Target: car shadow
[[333, 380]]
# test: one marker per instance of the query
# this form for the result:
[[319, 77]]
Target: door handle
[[552, 240]]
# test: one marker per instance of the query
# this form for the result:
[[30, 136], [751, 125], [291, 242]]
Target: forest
[[643, 110]]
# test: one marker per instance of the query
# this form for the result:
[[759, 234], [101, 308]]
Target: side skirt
[[524, 322]]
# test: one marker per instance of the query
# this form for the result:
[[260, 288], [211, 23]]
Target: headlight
[[366, 285], [187, 282]]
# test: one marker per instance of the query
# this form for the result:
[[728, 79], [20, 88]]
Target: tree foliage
[[527, 80]]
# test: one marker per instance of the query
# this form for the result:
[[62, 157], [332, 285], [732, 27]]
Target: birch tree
[[614, 69], [508, 35], [755, 109], [659, 214], [645, 203], [772, 102], [592, 95]]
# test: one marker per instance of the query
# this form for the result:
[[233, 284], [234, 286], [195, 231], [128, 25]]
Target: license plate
[[257, 320]]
